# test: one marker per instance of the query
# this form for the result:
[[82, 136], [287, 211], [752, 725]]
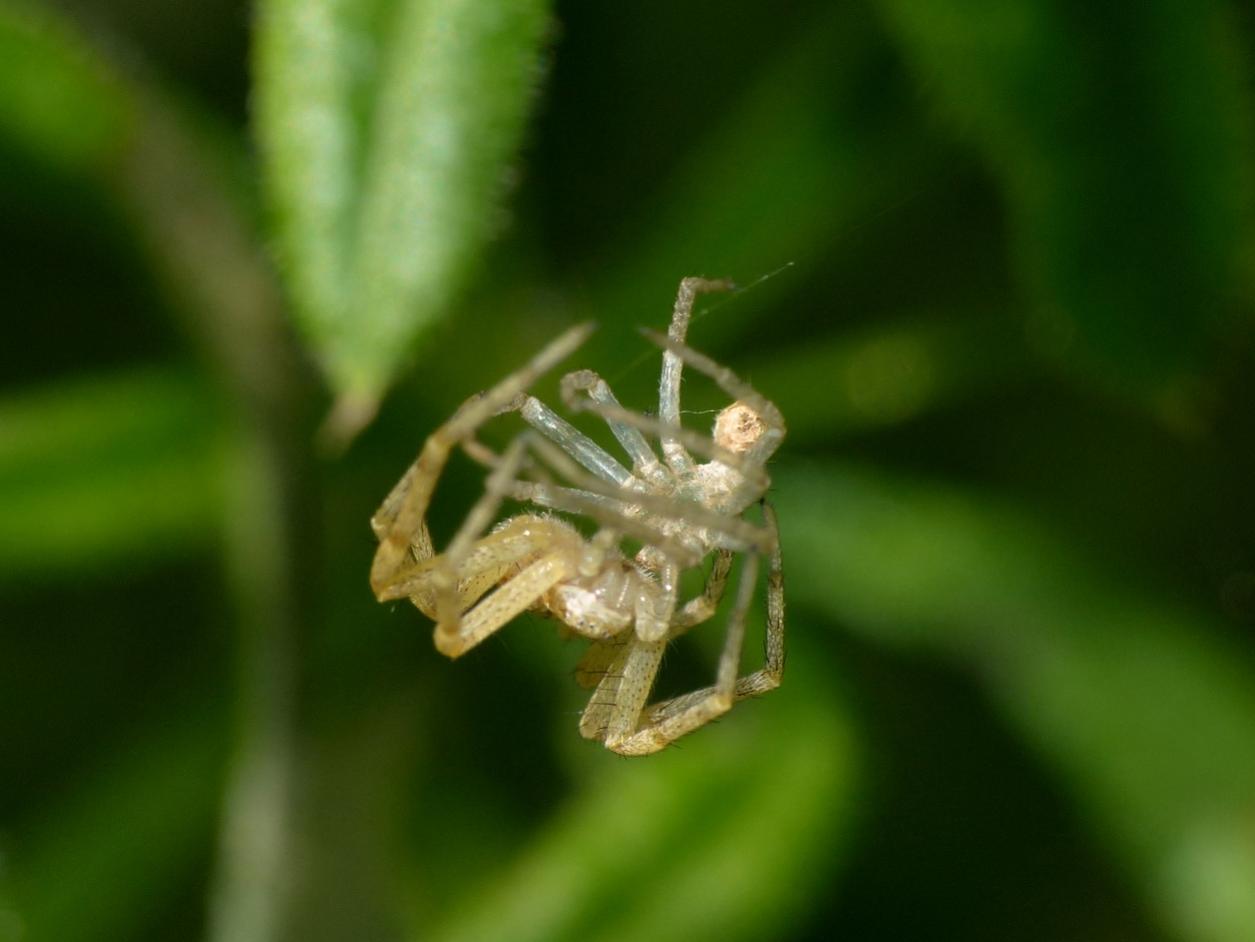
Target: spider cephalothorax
[[680, 510]]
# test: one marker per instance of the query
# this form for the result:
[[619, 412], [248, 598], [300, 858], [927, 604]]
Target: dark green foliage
[[999, 285]]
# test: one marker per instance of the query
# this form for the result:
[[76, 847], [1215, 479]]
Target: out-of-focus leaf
[[824, 168], [181, 181], [887, 375], [126, 839], [102, 471], [824, 163], [1119, 134], [724, 836], [55, 98], [387, 127], [1139, 703]]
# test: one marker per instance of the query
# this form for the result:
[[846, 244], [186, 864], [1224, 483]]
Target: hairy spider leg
[[512, 556], [401, 519], [443, 586], [511, 598], [488, 561], [598, 659], [604, 404], [655, 610], [607, 655], [673, 450], [602, 669], [768, 677], [605, 662], [543, 551], [615, 706], [648, 730], [702, 607], [456, 633], [482, 513]]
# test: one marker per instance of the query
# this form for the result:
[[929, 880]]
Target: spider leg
[[703, 445], [667, 721], [528, 556], [735, 533], [735, 387], [615, 707], [501, 483], [772, 672], [700, 608], [769, 676], [444, 579], [570, 499], [401, 517], [602, 402], [602, 668], [612, 513], [510, 599], [603, 504], [599, 659], [673, 450], [488, 561], [576, 444]]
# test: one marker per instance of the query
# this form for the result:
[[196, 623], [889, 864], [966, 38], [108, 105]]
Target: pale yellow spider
[[679, 510]]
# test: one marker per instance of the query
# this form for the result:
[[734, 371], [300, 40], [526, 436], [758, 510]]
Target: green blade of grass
[[386, 131], [108, 470], [1143, 708]]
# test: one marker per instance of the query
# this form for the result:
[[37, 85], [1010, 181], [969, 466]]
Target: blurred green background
[[1001, 270]]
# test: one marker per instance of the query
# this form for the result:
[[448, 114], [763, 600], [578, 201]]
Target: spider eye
[[738, 427]]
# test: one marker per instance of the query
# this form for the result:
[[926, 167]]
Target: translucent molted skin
[[683, 512]]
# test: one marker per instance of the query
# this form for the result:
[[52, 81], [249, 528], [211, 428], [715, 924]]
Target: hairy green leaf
[[387, 127]]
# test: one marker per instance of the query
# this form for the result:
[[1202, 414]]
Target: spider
[[680, 510]]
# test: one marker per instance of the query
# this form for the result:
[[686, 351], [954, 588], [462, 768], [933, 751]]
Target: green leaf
[[726, 836], [56, 99], [780, 177], [387, 127], [1118, 132], [127, 836], [1149, 714], [886, 375], [105, 470]]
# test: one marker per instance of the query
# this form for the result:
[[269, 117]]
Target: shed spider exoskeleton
[[679, 510]]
